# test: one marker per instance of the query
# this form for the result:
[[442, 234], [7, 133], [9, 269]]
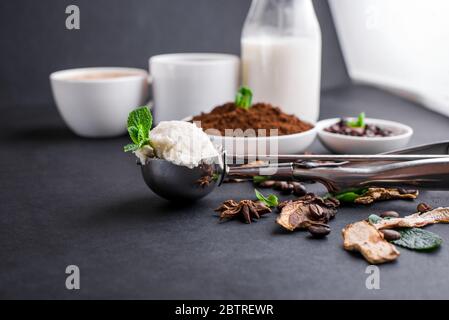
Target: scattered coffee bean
[[280, 185], [316, 211], [289, 189], [286, 187], [389, 214], [407, 191], [298, 189], [423, 207], [267, 184], [390, 235], [319, 230]]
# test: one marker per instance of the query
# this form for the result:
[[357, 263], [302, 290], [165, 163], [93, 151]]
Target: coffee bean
[[423, 207], [407, 191], [319, 230], [298, 189], [267, 184], [334, 201], [316, 211], [389, 214], [279, 185], [390, 235]]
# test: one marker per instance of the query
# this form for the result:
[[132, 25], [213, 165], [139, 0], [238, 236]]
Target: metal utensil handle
[[424, 151], [436, 148], [428, 173], [352, 158]]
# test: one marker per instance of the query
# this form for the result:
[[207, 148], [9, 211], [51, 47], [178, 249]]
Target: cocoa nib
[[246, 209], [306, 211], [379, 194]]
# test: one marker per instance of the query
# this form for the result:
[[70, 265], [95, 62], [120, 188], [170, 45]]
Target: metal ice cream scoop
[[422, 166]]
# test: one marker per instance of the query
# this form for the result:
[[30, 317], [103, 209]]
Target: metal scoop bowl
[[174, 182]]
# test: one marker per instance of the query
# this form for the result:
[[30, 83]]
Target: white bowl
[[339, 143], [286, 144]]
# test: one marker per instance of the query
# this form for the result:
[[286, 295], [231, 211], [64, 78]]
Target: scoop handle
[[429, 173]]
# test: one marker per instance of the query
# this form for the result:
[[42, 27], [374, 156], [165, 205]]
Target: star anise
[[207, 176], [246, 209], [204, 181]]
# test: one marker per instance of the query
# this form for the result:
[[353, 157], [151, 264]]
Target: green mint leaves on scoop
[[270, 201], [359, 123], [243, 98], [418, 239], [139, 125]]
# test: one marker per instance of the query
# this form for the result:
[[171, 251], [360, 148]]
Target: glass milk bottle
[[281, 56]]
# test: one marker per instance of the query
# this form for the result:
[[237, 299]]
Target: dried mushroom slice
[[438, 215], [363, 237], [379, 194], [306, 211]]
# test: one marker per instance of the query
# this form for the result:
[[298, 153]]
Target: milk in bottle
[[281, 55]]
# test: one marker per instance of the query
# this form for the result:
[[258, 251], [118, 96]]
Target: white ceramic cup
[[98, 106], [186, 84]]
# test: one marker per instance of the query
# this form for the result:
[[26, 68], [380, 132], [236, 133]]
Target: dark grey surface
[[66, 200], [34, 41]]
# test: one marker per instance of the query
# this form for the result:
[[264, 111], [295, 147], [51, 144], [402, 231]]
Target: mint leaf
[[349, 195], [359, 123], [243, 98], [418, 239], [134, 134], [139, 125], [374, 218], [270, 201], [130, 147], [260, 179]]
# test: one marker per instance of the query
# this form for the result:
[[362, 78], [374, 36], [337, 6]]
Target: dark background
[[35, 41], [66, 200]]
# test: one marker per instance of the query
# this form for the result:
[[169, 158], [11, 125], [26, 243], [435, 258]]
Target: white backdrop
[[401, 45]]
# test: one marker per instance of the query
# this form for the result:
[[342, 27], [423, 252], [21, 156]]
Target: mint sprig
[[243, 98], [139, 125], [270, 201], [359, 123]]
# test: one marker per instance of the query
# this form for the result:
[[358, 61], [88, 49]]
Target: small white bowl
[[339, 143], [286, 144]]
